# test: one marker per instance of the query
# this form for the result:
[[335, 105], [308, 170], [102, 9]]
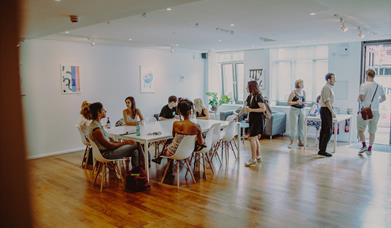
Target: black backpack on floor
[[136, 181]]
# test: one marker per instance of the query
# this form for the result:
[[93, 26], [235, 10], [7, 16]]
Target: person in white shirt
[[84, 117], [371, 94], [326, 114]]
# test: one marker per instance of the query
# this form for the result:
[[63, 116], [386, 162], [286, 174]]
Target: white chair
[[216, 143], [101, 165], [183, 152], [227, 137], [86, 142], [204, 153]]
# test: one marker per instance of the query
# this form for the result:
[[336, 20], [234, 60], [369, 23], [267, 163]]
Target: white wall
[[257, 59], [108, 74], [346, 65]]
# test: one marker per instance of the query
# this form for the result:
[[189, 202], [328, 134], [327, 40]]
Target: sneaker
[[300, 144], [369, 151], [251, 163], [259, 158], [290, 146], [362, 149], [325, 154]]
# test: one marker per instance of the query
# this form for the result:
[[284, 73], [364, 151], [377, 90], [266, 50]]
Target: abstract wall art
[[70, 79]]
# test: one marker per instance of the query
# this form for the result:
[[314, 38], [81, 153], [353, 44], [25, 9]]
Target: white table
[[165, 127], [339, 118]]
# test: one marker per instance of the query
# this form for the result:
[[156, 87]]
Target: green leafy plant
[[213, 99], [224, 99]]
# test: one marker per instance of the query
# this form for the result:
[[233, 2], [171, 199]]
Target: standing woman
[[296, 114], [131, 114], [200, 111], [255, 107]]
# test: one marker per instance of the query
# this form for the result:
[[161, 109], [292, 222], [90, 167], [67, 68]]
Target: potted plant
[[224, 99], [213, 100]]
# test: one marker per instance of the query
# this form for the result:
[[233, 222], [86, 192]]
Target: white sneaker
[[290, 145], [251, 163], [362, 150], [259, 158]]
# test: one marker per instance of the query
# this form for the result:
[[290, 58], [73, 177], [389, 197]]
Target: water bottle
[[108, 124], [138, 130]]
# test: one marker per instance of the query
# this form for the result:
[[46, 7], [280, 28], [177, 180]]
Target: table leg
[[305, 132], [335, 137], [146, 159]]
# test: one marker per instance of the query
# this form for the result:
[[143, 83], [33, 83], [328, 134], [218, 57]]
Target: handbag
[[366, 112]]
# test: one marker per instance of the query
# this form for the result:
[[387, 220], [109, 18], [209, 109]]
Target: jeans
[[124, 151], [326, 128], [296, 120]]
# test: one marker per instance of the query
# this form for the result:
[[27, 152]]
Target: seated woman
[[85, 117], [314, 112], [110, 148], [131, 114], [200, 111], [182, 128]]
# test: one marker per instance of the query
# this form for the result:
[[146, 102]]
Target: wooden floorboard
[[291, 188]]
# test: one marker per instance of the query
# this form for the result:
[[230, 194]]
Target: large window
[[290, 64], [232, 78]]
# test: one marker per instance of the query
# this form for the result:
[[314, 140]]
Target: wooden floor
[[292, 188]]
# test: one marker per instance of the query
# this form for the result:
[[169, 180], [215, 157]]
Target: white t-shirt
[[368, 89]]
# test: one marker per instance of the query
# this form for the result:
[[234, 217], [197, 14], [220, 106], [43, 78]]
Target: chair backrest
[[210, 137], [96, 152], [83, 137], [216, 133], [185, 148], [230, 131]]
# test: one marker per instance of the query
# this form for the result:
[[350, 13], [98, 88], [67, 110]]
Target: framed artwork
[[70, 79], [147, 80], [256, 75]]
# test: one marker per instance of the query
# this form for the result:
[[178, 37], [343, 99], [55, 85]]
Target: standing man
[[371, 94], [326, 114]]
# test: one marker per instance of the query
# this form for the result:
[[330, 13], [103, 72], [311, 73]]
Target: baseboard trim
[[31, 157]]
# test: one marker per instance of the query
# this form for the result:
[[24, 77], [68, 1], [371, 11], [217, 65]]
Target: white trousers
[[296, 122]]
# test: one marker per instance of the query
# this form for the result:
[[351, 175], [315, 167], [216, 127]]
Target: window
[[289, 64], [232, 78]]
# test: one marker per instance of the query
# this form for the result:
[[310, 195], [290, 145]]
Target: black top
[[167, 113], [296, 98], [255, 119]]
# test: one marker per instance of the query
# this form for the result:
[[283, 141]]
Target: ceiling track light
[[343, 26]]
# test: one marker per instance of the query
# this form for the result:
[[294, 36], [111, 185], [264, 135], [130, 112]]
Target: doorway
[[376, 55]]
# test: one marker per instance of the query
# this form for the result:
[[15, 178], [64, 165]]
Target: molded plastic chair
[[227, 137], [101, 166], [86, 142], [204, 152], [183, 152]]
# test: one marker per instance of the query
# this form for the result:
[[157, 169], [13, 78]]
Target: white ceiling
[[205, 25]]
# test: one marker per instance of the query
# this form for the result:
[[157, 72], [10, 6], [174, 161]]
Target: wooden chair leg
[[85, 159], [165, 170], [98, 170], [210, 164], [103, 174], [204, 165], [233, 151], [191, 173], [177, 173]]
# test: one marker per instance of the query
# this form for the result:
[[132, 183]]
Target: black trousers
[[326, 128]]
